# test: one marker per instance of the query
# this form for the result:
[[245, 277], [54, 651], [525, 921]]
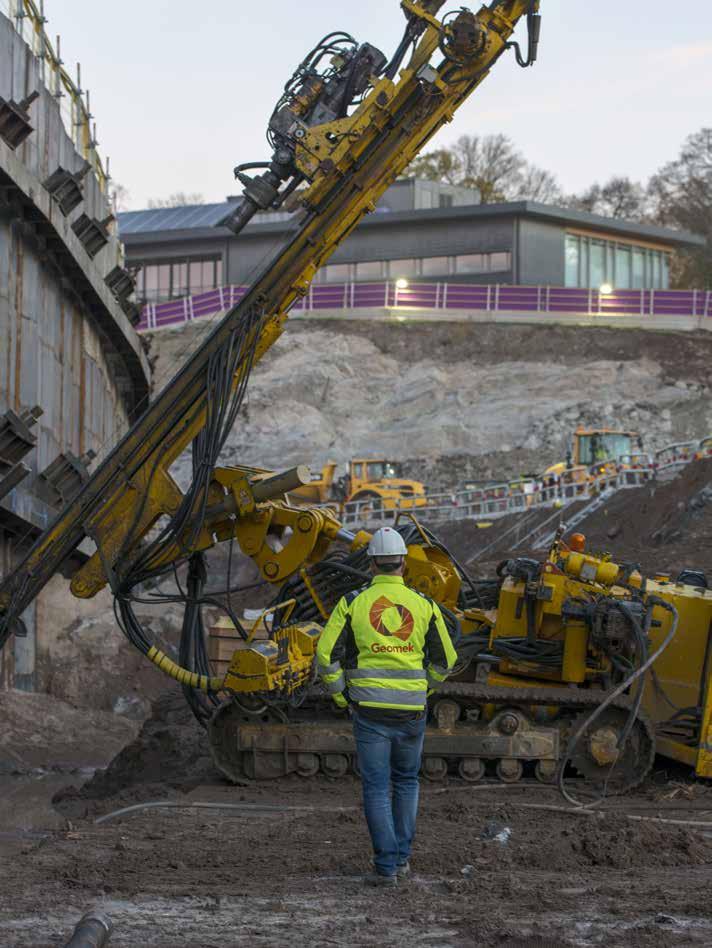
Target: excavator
[[574, 664]]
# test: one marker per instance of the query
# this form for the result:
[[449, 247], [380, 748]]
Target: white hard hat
[[387, 542]]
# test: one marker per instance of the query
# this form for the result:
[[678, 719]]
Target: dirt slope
[[665, 527]]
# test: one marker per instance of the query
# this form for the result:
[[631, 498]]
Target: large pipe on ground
[[93, 930]]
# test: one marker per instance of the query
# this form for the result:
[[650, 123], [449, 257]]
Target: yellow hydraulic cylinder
[[575, 650]]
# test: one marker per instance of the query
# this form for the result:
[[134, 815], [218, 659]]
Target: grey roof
[[203, 217], [172, 218]]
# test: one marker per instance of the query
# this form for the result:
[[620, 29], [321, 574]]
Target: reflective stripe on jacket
[[387, 645]]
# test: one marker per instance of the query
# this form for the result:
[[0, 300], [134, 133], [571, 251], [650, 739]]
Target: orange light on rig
[[577, 542]]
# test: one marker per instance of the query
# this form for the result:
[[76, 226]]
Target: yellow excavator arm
[[348, 124]]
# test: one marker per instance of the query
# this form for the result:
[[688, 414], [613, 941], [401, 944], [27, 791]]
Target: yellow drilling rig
[[570, 659]]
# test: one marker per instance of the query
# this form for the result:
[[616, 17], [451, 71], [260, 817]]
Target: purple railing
[[448, 296]]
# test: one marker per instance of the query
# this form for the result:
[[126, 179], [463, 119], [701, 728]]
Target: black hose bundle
[[338, 574], [228, 373]]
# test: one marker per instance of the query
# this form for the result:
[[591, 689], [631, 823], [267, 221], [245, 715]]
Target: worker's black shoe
[[403, 871], [376, 879]]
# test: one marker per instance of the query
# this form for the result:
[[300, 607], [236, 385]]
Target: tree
[[119, 197], [492, 165], [618, 197], [177, 199], [537, 184], [682, 196], [438, 165]]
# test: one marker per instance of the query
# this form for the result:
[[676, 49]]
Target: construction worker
[[382, 649]]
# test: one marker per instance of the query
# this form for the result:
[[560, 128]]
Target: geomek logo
[[381, 618]]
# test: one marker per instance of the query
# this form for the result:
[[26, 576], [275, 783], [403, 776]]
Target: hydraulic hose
[[182, 675]]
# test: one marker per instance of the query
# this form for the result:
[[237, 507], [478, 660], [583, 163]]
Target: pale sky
[[182, 90]]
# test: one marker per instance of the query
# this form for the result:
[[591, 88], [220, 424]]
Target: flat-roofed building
[[421, 230]]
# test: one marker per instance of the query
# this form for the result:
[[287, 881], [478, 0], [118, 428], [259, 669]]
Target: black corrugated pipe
[[93, 931]]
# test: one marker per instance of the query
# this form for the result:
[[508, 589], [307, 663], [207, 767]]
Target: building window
[[162, 281], [446, 200], [499, 262], [664, 271], [597, 262], [591, 263], [370, 270], [435, 266], [622, 277], [402, 268], [179, 279], [471, 263], [572, 260], [337, 273]]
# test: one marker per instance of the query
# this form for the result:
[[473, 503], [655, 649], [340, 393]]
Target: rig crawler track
[[530, 727]]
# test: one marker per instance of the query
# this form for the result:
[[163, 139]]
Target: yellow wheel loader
[[374, 485]]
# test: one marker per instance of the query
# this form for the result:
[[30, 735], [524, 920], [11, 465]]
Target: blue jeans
[[389, 761]]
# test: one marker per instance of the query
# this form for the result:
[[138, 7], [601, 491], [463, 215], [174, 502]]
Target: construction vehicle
[[553, 655], [373, 484], [596, 453], [571, 659], [704, 448]]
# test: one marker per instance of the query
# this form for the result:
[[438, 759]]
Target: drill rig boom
[[344, 158]]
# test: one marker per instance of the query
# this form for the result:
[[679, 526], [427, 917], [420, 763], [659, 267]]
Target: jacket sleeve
[[330, 649], [440, 654]]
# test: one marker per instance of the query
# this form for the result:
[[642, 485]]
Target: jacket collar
[[385, 578]]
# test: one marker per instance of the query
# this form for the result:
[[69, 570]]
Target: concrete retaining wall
[[65, 343]]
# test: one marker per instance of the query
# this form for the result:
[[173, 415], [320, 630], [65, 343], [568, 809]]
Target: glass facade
[[422, 267], [590, 261], [165, 281]]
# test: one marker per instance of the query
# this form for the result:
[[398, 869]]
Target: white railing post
[[444, 296], [652, 302]]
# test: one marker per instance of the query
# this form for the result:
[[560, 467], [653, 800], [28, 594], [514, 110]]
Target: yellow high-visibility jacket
[[387, 645]]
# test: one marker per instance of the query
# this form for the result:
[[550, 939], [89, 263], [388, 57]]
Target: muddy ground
[[285, 865]]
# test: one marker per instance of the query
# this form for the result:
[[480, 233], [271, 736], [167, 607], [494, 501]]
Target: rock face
[[454, 399]]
